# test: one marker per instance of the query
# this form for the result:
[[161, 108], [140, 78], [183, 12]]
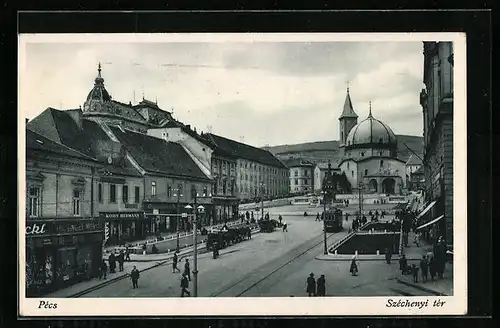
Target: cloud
[[267, 92]]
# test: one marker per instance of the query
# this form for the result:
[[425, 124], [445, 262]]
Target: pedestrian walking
[[280, 218], [388, 255], [414, 270], [403, 264], [285, 227], [321, 286], [187, 271], [311, 285], [432, 267], [121, 259], [317, 217], [416, 238], [185, 285], [134, 275], [353, 269], [175, 260], [127, 254], [103, 270], [424, 268], [112, 263]]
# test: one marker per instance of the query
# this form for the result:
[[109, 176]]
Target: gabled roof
[[241, 150], [60, 127], [158, 156], [348, 110], [37, 142], [414, 160]]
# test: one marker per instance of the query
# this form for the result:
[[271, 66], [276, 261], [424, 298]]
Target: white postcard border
[[291, 306]]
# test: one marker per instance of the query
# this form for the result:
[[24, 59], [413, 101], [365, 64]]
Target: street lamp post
[[325, 246], [360, 198], [262, 200], [177, 249]]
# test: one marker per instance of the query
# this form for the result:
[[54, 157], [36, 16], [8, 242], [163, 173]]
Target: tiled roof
[[241, 150], [413, 160], [59, 126], [158, 156], [35, 141]]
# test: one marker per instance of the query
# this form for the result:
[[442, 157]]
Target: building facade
[[337, 178], [437, 107], [64, 235], [301, 176], [369, 154], [259, 174]]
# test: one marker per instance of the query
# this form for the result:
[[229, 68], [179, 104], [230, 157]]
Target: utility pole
[[178, 221], [262, 199], [325, 246]]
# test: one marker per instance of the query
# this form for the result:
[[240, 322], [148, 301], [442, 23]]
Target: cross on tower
[[348, 83]]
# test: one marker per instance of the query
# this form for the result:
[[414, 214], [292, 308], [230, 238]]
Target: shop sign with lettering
[[38, 229], [122, 215]]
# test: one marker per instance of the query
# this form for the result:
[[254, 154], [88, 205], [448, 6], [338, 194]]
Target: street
[[270, 264]]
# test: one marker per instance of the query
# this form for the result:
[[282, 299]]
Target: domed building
[[369, 153], [100, 106]]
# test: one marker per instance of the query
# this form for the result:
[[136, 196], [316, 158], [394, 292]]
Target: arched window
[[362, 153], [352, 173], [342, 135], [381, 162], [366, 172], [348, 165]]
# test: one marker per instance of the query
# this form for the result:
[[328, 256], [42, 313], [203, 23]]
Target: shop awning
[[427, 209], [431, 222]]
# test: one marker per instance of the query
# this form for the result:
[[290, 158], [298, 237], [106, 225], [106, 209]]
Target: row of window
[[261, 168], [296, 173], [252, 178], [306, 181], [125, 194], [35, 201]]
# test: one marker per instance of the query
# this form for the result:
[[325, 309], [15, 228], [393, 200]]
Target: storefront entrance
[[59, 254], [125, 227]]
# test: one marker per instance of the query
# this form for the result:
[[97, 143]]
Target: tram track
[[297, 252]]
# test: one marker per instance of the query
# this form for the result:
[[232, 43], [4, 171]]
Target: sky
[[259, 93]]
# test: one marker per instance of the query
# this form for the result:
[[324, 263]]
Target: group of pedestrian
[[316, 288]]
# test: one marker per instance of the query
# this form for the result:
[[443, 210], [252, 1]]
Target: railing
[[346, 238]]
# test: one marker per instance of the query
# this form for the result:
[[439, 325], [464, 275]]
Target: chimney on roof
[[76, 115], [188, 126]]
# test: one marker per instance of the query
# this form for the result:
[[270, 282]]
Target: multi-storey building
[[258, 172], [63, 233], [301, 176], [437, 107]]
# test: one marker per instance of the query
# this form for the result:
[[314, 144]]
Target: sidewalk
[[441, 287], [166, 237], [142, 262], [152, 261]]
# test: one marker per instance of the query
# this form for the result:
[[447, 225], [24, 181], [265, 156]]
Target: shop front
[[61, 252], [225, 209], [125, 227], [165, 217]]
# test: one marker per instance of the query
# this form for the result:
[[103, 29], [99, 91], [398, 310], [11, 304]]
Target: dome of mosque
[[371, 133]]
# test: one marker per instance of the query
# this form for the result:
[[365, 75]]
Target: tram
[[333, 220]]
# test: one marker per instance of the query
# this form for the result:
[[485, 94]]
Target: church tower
[[347, 120]]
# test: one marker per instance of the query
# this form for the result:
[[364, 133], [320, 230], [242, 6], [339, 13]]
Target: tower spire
[[347, 85], [99, 79], [370, 114]]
